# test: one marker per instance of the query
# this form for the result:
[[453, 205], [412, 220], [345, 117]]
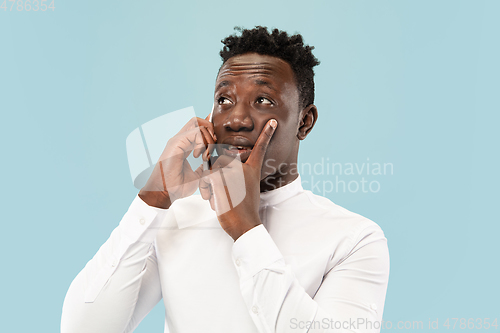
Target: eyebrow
[[224, 83], [261, 82]]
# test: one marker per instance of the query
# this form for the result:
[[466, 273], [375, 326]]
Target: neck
[[283, 174], [276, 180]]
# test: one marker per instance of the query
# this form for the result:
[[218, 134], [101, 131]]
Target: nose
[[239, 119]]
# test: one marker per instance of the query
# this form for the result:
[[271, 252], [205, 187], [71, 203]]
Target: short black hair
[[277, 44]]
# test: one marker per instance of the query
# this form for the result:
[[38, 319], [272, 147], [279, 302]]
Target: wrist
[[158, 199], [237, 229]]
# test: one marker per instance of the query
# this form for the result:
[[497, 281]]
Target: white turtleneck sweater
[[312, 266]]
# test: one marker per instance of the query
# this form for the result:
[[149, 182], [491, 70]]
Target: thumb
[[256, 158]]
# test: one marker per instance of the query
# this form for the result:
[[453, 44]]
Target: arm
[[352, 292], [120, 284], [353, 289]]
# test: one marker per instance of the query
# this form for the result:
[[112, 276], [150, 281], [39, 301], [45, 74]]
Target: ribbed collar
[[281, 194]]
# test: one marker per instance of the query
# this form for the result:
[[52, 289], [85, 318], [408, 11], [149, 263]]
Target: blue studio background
[[411, 83]]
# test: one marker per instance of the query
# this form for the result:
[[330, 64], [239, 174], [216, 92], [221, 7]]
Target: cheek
[[284, 138], [280, 146], [218, 129]]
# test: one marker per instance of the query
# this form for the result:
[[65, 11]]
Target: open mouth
[[243, 152]]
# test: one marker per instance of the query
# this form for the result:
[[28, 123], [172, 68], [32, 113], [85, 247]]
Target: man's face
[[250, 90]]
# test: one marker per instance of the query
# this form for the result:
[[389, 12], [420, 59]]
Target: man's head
[[280, 45], [265, 76]]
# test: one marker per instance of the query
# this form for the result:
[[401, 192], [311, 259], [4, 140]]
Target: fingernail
[[273, 123]]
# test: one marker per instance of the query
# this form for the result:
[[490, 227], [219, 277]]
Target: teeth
[[241, 147]]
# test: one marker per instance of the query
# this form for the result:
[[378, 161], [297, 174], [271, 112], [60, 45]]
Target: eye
[[265, 101], [223, 100]]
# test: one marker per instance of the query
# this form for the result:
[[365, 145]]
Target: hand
[[172, 177], [238, 219]]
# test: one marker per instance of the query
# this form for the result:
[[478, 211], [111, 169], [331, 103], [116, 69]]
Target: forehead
[[252, 65]]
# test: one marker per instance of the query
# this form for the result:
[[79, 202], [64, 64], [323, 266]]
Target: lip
[[238, 141], [231, 144], [233, 152]]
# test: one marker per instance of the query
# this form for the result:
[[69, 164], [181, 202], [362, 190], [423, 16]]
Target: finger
[[210, 139], [256, 157], [192, 123], [209, 125], [207, 142], [220, 195], [208, 154], [185, 142], [212, 204], [206, 189], [198, 122], [205, 186]]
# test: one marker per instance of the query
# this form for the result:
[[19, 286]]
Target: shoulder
[[348, 232], [320, 212], [330, 227]]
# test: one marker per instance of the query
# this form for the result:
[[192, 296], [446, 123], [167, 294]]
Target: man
[[281, 259]]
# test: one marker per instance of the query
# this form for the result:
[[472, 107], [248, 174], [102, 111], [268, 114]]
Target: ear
[[308, 117]]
